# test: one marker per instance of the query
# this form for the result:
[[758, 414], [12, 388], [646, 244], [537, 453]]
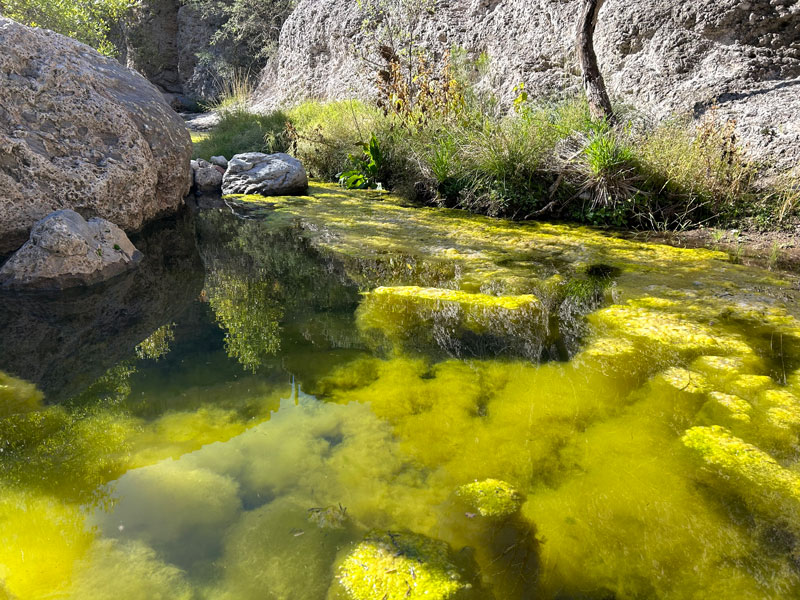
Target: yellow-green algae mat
[[659, 461]]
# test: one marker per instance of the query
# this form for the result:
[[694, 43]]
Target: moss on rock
[[458, 322], [491, 498], [751, 473], [398, 566]]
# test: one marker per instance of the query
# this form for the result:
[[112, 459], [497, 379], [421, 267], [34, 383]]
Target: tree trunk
[[593, 84]]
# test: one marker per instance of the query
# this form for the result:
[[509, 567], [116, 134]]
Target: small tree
[[88, 21], [593, 84]]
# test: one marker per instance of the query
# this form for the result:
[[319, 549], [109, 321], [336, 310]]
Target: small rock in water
[[207, 176], [328, 517], [65, 251], [491, 498]]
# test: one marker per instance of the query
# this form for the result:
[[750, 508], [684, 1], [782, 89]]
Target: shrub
[[698, 174], [323, 136], [366, 168], [243, 131], [88, 21]]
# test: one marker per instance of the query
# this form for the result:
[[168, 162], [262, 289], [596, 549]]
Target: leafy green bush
[[324, 135], [243, 131], [365, 168], [88, 21]]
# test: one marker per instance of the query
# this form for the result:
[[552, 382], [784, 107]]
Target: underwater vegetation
[[458, 322], [396, 565], [492, 498], [373, 401]]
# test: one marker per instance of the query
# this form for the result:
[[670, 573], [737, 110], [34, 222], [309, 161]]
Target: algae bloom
[[491, 498], [398, 565], [508, 411]]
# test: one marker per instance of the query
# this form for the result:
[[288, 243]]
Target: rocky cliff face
[[80, 131], [169, 42], [662, 56]]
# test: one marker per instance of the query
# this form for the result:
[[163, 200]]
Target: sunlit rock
[[398, 565], [491, 498], [460, 323], [64, 251], [81, 131], [264, 174]]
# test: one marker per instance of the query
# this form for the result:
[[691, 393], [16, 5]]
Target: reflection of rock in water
[[64, 341]]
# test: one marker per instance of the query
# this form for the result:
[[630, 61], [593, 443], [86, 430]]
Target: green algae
[[273, 551], [413, 317], [17, 396], [210, 475], [491, 498], [397, 565], [749, 472]]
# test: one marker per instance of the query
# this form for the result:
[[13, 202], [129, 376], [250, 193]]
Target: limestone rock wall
[[663, 56], [151, 42], [81, 131]]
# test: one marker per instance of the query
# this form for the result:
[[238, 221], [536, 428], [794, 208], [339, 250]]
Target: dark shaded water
[[292, 399]]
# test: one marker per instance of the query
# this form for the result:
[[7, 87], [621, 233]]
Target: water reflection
[[65, 341], [322, 404]]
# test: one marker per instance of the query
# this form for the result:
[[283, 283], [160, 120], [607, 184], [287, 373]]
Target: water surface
[[286, 385]]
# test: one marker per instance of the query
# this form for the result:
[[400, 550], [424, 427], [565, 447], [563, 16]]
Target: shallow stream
[[339, 397]]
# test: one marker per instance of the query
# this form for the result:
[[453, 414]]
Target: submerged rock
[[396, 566], [492, 498], [765, 485], [458, 322], [78, 130], [265, 174], [64, 251]]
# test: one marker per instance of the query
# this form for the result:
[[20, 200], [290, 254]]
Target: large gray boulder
[[265, 174], [66, 251], [79, 130], [660, 56]]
